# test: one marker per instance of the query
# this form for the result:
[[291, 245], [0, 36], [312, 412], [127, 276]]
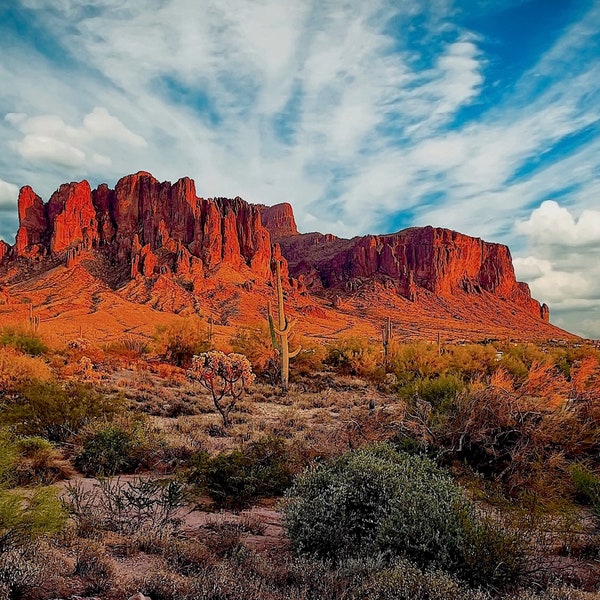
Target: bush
[[439, 392], [587, 484], [54, 411], [22, 518], [377, 500], [17, 369], [238, 478], [355, 356], [112, 450], [182, 340], [23, 340], [95, 568]]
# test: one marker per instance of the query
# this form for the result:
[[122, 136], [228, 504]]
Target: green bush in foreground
[[238, 478], [380, 501], [112, 450]]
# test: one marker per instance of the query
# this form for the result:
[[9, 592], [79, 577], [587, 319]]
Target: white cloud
[[48, 139], [553, 225], [563, 264], [8, 195]]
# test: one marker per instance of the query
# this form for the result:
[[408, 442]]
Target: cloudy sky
[[477, 115]]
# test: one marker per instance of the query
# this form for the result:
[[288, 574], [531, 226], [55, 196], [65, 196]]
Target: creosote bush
[[181, 340], [238, 478], [117, 448], [56, 411], [380, 501], [22, 339]]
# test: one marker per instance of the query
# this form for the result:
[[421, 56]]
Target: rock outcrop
[[279, 220], [145, 226], [145, 229], [437, 260]]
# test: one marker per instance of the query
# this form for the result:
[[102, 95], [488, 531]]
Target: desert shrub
[[39, 462], [114, 449], [355, 356], [181, 340], [255, 344], [56, 411], [587, 485], [439, 391], [22, 339], [23, 517], [32, 571], [240, 477], [377, 500], [130, 345], [416, 360], [311, 357], [17, 369], [95, 568], [405, 581], [139, 505]]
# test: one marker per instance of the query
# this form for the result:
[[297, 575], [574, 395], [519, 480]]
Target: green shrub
[[378, 500], [54, 411], [587, 485], [112, 450], [240, 477], [355, 356], [182, 340], [439, 391], [405, 581], [23, 340], [23, 517]]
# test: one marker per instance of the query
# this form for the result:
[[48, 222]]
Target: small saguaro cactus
[[34, 320], [282, 330], [386, 335]]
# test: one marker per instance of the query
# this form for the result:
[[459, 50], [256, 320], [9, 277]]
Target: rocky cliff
[[438, 260], [159, 243], [144, 227]]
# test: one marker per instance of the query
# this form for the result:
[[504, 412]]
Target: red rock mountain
[[160, 245]]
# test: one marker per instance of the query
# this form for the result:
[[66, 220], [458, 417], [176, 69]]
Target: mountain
[[127, 258]]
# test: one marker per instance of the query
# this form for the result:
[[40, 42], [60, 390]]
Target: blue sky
[[481, 116]]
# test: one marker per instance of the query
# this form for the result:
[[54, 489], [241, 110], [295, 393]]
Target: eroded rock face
[[4, 249], [438, 260], [148, 226], [151, 229], [279, 220]]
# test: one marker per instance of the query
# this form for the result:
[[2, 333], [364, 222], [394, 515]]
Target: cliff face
[[147, 226], [440, 261]]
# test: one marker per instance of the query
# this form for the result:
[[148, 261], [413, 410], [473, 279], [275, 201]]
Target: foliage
[[225, 376], [25, 516], [587, 485], [255, 344], [238, 478], [181, 340], [113, 449], [127, 507], [377, 500], [355, 356], [17, 368], [54, 411], [22, 339], [440, 391]]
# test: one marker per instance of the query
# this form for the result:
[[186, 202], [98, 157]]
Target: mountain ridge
[[180, 248]]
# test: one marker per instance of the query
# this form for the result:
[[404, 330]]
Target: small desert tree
[[225, 376]]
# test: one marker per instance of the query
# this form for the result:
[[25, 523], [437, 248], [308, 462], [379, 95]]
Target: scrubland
[[430, 472]]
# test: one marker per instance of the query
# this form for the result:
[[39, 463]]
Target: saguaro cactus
[[386, 336], [282, 330]]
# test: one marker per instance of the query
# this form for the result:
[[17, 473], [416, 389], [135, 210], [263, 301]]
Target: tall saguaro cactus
[[282, 330], [386, 336]]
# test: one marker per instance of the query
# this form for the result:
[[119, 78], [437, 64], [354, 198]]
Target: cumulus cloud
[[48, 139], [563, 264], [8, 195]]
